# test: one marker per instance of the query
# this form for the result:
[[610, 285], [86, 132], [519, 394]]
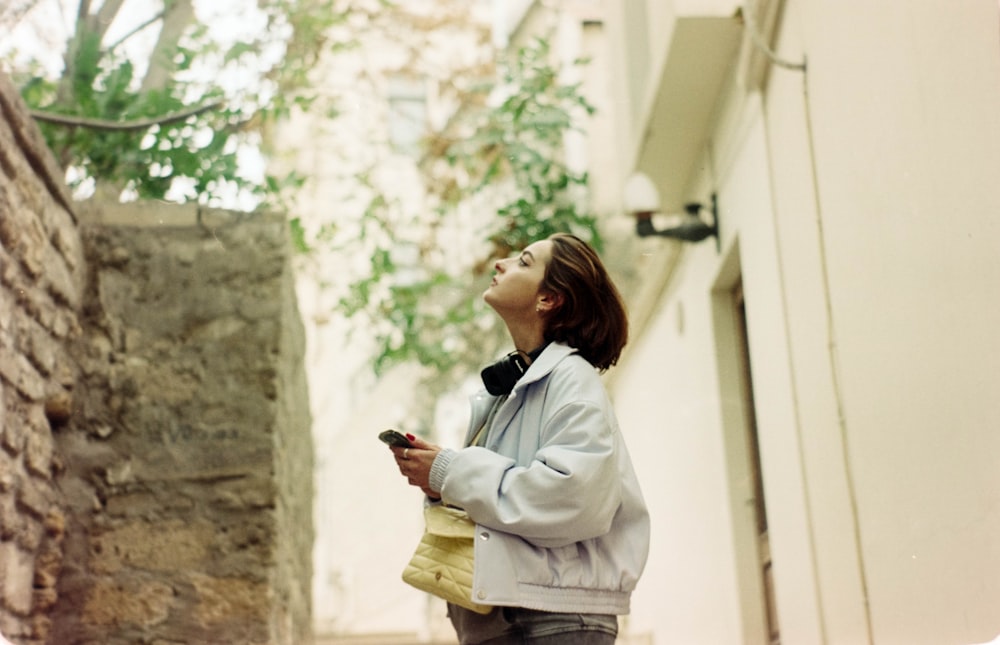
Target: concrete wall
[[157, 456], [859, 213]]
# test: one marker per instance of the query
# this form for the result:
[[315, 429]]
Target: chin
[[489, 299]]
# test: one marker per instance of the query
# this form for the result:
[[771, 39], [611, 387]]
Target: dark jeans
[[516, 626]]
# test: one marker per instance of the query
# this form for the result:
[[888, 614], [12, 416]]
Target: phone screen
[[394, 438]]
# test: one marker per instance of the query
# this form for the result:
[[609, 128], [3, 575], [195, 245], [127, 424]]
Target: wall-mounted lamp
[[643, 200]]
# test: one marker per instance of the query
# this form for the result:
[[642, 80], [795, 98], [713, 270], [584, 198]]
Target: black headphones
[[500, 377]]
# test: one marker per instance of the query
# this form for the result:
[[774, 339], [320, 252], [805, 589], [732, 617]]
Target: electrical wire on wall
[[761, 44], [749, 16]]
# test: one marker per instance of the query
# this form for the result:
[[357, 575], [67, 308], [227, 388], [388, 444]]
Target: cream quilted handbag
[[443, 562]]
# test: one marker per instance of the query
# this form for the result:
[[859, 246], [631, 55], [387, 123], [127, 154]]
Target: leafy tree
[[177, 129], [506, 149], [174, 128]]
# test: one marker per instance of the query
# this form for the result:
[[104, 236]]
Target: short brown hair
[[591, 317]]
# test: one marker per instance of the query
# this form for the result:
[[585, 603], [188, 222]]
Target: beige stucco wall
[[913, 317], [862, 211]]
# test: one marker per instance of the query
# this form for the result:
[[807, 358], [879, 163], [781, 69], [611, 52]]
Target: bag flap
[[448, 522]]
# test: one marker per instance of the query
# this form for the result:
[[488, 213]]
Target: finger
[[419, 443]]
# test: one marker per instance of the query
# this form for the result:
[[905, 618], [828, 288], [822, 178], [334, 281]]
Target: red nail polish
[[410, 436]]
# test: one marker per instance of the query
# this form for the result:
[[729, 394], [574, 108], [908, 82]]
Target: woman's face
[[515, 286]]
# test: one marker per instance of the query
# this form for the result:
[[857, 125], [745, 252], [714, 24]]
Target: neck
[[528, 338]]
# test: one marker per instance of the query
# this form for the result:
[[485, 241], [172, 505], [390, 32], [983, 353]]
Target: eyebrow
[[528, 253]]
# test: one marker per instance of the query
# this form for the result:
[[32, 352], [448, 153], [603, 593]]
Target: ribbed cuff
[[439, 468]]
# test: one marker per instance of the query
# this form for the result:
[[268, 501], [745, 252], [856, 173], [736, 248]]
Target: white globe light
[[640, 194]]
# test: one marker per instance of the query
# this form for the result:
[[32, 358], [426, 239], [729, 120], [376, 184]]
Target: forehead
[[540, 250]]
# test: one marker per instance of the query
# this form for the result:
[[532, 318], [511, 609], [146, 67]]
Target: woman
[[562, 527]]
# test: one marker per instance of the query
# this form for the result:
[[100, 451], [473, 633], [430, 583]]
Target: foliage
[[197, 158], [523, 139], [144, 162], [505, 148], [508, 147]]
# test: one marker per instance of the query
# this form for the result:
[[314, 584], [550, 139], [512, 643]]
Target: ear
[[548, 302]]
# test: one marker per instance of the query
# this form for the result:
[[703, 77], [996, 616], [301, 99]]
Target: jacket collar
[[544, 364], [541, 367]]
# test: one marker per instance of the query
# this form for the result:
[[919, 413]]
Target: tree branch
[[113, 46], [177, 15], [120, 126], [101, 21]]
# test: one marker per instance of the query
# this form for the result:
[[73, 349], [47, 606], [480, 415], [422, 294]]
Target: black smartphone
[[394, 438]]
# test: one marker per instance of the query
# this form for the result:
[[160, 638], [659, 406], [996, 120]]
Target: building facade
[[811, 397]]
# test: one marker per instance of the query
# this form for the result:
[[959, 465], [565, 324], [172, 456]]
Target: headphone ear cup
[[500, 377]]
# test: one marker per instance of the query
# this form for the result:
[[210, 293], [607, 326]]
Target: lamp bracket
[[694, 229]]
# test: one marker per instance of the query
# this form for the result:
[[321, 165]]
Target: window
[[407, 113]]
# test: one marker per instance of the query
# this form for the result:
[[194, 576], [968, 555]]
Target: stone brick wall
[[155, 455], [41, 290]]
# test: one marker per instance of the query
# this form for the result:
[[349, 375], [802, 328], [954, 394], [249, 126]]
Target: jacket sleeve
[[568, 492]]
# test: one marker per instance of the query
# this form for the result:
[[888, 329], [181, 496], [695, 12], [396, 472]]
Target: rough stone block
[[47, 567], [8, 473], [115, 602], [33, 245], [32, 498], [41, 627], [44, 599], [20, 373], [64, 237], [6, 310], [171, 545], [55, 524], [10, 519], [17, 569], [230, 600], [62, 285], [12, 438], [38, 452], [28, 533], [41, 349]]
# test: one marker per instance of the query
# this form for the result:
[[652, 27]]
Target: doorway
[[748, 504]]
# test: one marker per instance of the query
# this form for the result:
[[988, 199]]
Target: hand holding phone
[[416, 470], [393, 438]]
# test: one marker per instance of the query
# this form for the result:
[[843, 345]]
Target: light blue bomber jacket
[[561, 522]]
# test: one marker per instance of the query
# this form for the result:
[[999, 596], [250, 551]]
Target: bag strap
[[479, 439]]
